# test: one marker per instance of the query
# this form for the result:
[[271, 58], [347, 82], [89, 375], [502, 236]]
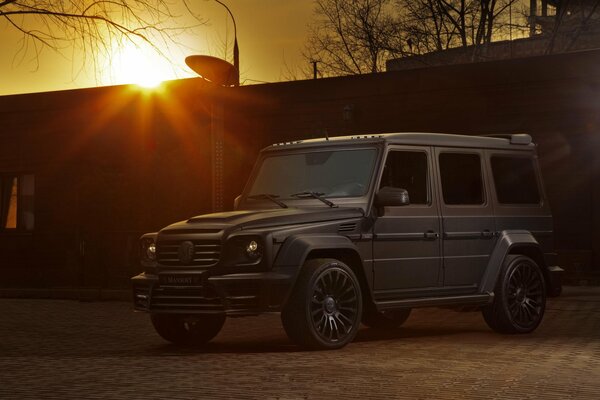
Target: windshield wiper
[[267, 196], [315, 195]]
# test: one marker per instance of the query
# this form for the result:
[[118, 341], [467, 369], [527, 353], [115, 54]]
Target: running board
[[476, 299]]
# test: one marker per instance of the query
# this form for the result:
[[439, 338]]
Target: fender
[[506, 241], [296, 248]]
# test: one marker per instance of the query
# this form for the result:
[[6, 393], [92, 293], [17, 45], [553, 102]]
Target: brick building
[[95, 168]]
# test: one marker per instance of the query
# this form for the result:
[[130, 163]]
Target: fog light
[[252, 249]]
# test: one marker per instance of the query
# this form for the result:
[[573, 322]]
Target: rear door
[[519, 196], [468, 226]]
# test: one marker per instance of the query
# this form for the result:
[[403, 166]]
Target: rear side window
[[461, 178], [515, 180]]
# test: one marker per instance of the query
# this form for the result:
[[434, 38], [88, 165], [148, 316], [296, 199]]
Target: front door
[[406, 243]]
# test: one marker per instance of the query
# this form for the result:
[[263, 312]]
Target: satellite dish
[[213, 69]]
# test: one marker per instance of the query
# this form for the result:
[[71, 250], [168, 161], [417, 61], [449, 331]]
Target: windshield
[[339, 173]]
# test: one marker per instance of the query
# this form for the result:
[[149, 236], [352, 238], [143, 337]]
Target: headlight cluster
[[253, 250], [147, 249], [244, 250]]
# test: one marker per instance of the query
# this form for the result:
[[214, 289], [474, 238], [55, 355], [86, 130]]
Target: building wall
[[502, 50], [109, 165], [112, 163]]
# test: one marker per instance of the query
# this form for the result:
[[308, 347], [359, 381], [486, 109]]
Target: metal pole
[[217, 133], [236, 51]]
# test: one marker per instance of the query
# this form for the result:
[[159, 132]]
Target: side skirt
[[473, 299]]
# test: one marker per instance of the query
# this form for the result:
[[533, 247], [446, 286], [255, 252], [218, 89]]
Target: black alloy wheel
[[520, 297], [324, 310], [525, 294]]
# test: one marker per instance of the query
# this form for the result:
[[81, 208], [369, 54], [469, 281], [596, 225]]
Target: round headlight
[[252, 249], [151, 251]]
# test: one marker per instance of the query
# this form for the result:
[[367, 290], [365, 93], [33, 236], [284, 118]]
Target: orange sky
[[271, 34]]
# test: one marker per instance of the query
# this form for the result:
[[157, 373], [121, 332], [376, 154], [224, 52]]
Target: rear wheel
[[520, 297], [324, 309], [385, 320], [187, 329]]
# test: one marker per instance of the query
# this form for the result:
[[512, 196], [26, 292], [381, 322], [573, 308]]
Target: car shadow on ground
[[282, 344]]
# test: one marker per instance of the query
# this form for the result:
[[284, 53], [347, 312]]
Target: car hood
[[251, 219]]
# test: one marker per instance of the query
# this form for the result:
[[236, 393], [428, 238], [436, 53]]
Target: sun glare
[[138, 65]]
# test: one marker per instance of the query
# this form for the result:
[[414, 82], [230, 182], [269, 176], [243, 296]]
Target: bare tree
[[93, 26], [351, 36], [443, 24], [357, 36]]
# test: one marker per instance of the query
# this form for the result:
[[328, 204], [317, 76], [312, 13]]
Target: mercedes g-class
[[338, 231]]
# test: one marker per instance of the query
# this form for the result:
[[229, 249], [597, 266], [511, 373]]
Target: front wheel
[[187, 329], [325, 307], [520, 297]]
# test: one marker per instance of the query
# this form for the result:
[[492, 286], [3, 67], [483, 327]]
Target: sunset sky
[[271, 35]]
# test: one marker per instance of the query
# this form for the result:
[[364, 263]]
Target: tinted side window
[[515, 181], [461, 178], [407, 170]]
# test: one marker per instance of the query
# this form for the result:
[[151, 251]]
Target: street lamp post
[[222, 74], [236, 51]]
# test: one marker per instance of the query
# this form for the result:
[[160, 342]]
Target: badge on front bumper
[[179, 280]]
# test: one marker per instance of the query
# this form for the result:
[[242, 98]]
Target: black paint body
[[404, 256]]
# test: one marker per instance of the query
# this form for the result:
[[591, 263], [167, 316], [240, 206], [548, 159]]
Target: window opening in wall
[[16, 202], [11, 210]]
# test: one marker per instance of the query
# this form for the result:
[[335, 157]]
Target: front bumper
[[232, 294]]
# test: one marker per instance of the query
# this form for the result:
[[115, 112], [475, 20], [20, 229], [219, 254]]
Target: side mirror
[[236, 202], [391, 197]]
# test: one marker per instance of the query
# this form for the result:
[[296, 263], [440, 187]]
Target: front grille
[[206, 253], [237, 298]]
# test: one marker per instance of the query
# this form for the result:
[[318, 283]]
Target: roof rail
[[515, 138]]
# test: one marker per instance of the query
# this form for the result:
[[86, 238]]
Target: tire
[[325, 307], [520, 297], [187, 330], [386, 320]]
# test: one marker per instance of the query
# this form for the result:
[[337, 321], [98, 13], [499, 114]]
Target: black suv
[[338, 231]]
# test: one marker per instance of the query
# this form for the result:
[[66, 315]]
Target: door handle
[[488, 234], [431, 235]]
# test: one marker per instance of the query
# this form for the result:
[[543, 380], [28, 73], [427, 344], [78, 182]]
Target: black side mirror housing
[[391, 197]]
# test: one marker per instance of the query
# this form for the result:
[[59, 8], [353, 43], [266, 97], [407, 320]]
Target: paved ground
[[68, 349]]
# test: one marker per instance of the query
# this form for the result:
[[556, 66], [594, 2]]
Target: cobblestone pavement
[[68, 349]]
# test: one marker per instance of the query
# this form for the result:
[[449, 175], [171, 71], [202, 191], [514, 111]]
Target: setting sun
[[139, 65]]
